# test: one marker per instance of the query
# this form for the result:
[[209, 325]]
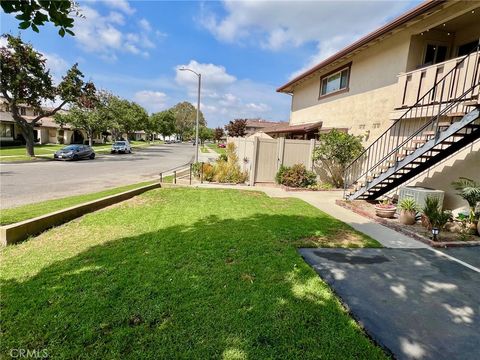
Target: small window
[[376, 125], [35, 112], [361, 126], [23, 111], [335, 82], [435, 54], [6, 130], [7, 108]]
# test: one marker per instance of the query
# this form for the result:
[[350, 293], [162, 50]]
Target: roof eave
[[402, 19]]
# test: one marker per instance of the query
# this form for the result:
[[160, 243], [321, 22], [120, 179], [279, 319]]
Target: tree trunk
[[90, 140], [29, 136]]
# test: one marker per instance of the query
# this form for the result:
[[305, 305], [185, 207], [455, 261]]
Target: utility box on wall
[[419, 194]]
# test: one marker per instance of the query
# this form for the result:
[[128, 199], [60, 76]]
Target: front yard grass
[[215, 147], [24, 212], [180, 273]]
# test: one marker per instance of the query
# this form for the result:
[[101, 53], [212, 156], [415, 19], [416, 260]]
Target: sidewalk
[[325, 201]]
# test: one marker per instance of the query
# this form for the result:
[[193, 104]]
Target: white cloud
[[105, 35], [283, 25], [121, 5], [145, 25], [152, 100], [57, 65], [224, 97]]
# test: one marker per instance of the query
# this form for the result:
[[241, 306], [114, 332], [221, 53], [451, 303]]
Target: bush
[[432, 215], [296, 176], [225, 170], [336, 150]]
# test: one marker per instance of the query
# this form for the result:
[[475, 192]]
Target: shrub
[[433, 215], [296, 176], [225, 170], [336, 150], [280, 173], [469, 190]]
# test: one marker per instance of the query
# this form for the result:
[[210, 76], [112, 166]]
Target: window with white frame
[[335, 82]]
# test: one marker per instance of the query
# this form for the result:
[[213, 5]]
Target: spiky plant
[[469, 190]]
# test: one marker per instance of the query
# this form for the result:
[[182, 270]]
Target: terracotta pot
[[407, 217], [385, 212]]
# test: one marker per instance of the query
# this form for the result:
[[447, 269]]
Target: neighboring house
[[254, 125], [405, 89], [47, 130]]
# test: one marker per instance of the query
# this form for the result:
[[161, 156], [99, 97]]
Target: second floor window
[[335, 82], [23, 111]]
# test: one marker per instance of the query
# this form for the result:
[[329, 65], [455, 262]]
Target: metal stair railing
[[424, 120]]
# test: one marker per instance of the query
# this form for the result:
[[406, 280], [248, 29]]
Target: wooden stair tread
[[455, 114], [428, 133], [444, 124]]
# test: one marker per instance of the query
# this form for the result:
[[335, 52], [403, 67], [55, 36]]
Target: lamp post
[[198, 109]]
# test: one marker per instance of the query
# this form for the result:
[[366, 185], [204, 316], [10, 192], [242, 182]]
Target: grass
[[24, 212], [215, 147], [180, 273], [204, 149]]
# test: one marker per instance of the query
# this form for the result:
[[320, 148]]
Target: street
[[24, 183]]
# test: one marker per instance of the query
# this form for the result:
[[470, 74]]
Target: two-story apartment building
[[403, 88]]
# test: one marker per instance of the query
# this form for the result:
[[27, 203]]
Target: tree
[[185, 119], [236, 127], [205, 133], [85, 115], [26, 82], [123, 116], [218, 134], [35, 13], [163, 123], [336, 150]]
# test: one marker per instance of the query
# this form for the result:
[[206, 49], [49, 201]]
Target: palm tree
[[469, 190]]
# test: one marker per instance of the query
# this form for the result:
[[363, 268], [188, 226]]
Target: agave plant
[[469, 190]]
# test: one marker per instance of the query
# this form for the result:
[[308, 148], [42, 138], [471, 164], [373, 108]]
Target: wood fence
[[263, 157]]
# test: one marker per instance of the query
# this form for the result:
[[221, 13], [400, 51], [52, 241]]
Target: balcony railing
[[414, 85]]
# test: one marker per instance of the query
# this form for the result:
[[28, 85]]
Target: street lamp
[[198, 109]]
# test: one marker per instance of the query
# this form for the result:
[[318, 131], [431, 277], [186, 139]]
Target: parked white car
[[121, 147]]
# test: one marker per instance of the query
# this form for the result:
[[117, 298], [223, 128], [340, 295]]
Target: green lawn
[[215, 147], [20, 213], [181, 273], [204, 149]]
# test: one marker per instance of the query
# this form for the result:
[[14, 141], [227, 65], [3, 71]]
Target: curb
[[14, 233]]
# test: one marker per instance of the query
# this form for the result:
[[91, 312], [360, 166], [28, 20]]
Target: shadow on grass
[[231, 288]]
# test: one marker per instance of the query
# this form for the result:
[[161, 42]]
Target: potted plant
[[469, 190], [408, 211], [385, 209]]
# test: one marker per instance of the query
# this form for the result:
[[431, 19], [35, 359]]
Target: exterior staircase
[[445, 119]]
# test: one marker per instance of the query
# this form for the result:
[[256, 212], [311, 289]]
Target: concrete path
[[415, 302]]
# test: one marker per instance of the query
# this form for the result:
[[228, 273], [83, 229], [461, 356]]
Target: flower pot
[[478, 227], [407, 217], [386, 212]]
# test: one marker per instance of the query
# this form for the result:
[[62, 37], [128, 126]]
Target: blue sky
[[244, 49]]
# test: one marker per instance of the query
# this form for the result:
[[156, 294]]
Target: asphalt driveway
[[416, 303], [23, 183]]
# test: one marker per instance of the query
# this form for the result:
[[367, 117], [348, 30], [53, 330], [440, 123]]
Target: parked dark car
[[75, 152]]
